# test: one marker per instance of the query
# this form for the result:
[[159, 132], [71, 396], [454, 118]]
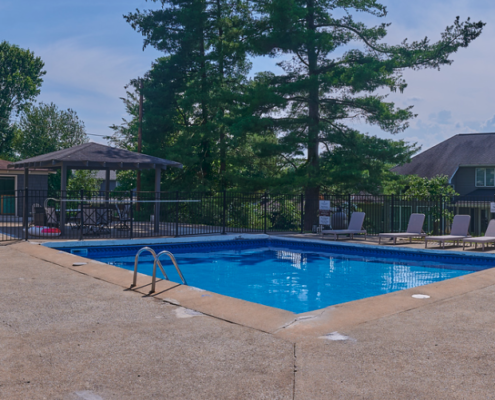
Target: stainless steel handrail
[[136, 259], [157, 261]]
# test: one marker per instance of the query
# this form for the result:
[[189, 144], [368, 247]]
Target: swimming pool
[[297, 276]]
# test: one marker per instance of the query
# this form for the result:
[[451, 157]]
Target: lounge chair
[[355, 227], [414, 229], [488, 238], [460, 231]]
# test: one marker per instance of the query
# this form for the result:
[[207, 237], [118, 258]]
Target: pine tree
[[191, 95], [336, 65]]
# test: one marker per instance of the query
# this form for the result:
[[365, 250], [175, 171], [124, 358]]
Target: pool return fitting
[[156, 261]]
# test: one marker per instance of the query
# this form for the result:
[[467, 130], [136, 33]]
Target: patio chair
[[51, 217], [124, 213], [355, 227], [37, 215], [95, 220], [488, 238], [89, 224], [460, 231], [102, 219], [34, 207], [75, 219], [414, 229]]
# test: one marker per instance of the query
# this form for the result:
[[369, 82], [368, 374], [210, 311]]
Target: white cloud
[[90, 80], [457, 99], [443, 117], [489, 125], [460, 97]]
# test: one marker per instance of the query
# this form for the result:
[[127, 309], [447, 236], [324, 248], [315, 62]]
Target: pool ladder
[[156, 258]]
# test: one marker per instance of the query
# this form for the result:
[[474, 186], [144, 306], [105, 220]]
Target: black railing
[[127, 215]]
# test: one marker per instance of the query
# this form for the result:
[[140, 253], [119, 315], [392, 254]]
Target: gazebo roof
[[95, 156]]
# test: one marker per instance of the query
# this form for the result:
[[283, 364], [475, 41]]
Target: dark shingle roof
[[5, 165], [95, 156], [467, 149]]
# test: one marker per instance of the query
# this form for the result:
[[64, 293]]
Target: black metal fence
[[82, 215]]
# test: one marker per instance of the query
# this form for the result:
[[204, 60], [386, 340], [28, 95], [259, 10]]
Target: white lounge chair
[[460, 231], [488, 238], [414, 229], [355, 227]]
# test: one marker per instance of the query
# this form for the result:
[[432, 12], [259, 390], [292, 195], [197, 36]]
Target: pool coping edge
[[287, 325]]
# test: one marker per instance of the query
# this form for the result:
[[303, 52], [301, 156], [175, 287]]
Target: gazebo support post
[[63, 196], [25, 205], [158, 178], [107, 184]]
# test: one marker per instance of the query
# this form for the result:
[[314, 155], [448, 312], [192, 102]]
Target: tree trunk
[[205, 140], [312, 189], [223, 146]]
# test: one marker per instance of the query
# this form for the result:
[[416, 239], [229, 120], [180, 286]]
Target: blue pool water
[[291, 278]]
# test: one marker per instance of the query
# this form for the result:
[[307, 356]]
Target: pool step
[[156, 261]]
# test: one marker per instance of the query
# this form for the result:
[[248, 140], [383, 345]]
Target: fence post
[[177, 214], [392, 213], [302, 213], [131, 216], [25, 214], [81, 216], [264, 212], [224, 215], [442, 199], [348, 209]]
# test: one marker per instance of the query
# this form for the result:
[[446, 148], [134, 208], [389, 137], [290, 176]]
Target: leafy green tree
[[83, 179], [20, 81], [434, 189], [333, 67], [127, 181], [44, 128], [424, 188], [361, 163]]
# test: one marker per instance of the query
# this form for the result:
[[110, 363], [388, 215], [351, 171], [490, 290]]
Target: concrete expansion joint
[[302, 318], [295, 374]]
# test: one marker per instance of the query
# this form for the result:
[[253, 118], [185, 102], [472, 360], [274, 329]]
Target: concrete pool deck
[[75, 331]]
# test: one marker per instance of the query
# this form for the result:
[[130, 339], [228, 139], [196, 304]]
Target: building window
[[485, 177]]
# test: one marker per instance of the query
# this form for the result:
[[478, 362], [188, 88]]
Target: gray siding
[[113, 185], [465, 180], [36, 182]]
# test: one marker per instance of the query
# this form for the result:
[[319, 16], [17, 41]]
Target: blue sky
[[91, 53]]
